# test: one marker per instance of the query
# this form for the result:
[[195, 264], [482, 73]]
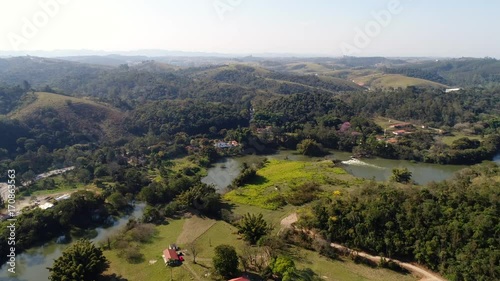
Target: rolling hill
[[69, 114]]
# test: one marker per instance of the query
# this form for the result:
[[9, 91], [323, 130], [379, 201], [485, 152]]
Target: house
[[399, 132], [46, 206], [392, 141], [402, 126], [222, 144], [170, 257], [452, 90], [240, 279]]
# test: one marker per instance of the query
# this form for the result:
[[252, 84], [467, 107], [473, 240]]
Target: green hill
[[48, 111]]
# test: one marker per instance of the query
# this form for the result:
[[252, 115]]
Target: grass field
[[276, 178], [208, 234], [344, 269], [166, 235], [380, 80], [385, 122], [450, 139]]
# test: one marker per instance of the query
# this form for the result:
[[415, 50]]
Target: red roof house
[[170, 255]]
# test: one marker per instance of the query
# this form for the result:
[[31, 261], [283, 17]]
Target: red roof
[[170, 254], [240, 279]]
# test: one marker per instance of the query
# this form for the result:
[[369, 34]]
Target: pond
[[381, 169], [222, 173], [32, 264]]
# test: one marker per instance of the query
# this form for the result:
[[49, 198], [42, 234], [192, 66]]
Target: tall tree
[[80, 262], [225, 260], [253, 227]]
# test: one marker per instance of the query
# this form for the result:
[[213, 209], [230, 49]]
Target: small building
[[63, 197], [46, 206], [399, 132], [392, 141], [170, 257], [229, 144], [452, 90], [402, 126], [239, 279]]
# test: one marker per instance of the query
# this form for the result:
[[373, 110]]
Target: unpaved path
[[426, 275], [191, 270], [287, 222]]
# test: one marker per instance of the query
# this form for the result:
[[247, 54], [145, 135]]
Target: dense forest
[[444, 225]]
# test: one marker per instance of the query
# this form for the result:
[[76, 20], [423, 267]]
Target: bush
[[303, 193]]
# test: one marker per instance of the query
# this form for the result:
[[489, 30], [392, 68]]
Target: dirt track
[[426, 275]]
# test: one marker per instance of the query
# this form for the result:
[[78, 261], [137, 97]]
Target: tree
[[310, 147], [282, 266], [225, 260], [80, 262], [253, 227], [401, 175], [193, 248]]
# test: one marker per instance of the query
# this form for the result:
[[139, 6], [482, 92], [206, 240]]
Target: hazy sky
[[315, 27]]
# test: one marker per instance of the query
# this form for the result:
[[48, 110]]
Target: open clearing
[[275, 179], [380, 80], [193, 228], [220, 232]]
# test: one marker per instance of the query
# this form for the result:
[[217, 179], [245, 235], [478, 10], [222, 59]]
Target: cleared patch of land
[[166, 235], [193, 228], [220, 232], [275, 179], [450, 139], [380, 80]]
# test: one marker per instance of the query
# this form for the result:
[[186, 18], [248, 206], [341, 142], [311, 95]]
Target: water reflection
[[32, 264]]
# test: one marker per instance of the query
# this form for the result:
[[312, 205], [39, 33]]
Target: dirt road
[[426, 275]]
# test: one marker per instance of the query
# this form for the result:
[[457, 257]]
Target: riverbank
[[32, 264]]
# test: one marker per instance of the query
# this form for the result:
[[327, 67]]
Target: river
[[222, 173], [31, 265]]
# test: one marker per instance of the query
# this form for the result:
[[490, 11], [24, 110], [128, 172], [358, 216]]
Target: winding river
[[32, 264]]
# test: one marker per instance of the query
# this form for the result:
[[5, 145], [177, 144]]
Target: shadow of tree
[[113, 277]]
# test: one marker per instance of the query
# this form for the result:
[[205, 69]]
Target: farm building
[[240, 279], [402, 126], [170, 257]]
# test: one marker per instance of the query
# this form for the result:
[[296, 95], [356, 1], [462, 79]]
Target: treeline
[[464, 71], [451, 227], [10, 98], [430, 107], [190, 116], [295, 111]]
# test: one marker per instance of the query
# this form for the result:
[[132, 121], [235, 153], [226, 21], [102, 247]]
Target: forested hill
[[452, 227]]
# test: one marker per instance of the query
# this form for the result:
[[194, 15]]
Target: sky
[[395, 28]]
